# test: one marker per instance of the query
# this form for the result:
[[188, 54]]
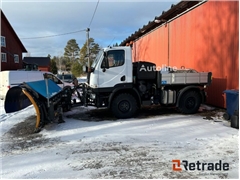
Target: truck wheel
[[124, 106], [189, 102]]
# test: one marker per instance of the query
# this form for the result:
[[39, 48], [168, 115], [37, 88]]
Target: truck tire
[[190, 102], [124, 106]]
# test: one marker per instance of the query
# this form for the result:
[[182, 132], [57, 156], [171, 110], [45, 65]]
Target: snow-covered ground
[[100, 146]]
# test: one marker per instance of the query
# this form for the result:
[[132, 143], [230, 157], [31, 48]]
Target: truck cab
[[111, 67]]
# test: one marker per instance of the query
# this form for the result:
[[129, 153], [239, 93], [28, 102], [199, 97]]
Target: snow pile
[[129, 148]]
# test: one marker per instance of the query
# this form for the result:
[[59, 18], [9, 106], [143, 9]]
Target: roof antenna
[[111, 42]]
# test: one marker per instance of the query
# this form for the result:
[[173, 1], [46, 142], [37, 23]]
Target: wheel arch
[[190, 88], [118, 91]]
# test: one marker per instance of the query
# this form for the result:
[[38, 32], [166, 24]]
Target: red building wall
[[43, 68], [152, 47], [12, 47], [205, 39]]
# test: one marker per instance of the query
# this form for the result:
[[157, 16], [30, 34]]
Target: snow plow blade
[[47, 97], [16, 100]]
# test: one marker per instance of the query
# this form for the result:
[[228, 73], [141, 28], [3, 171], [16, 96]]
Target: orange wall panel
[[152, 47], [205, 39], [214, 46]]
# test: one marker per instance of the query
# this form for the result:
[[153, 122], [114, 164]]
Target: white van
[[9, 79]]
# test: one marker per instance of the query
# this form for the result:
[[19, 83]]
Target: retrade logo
[[199, 166], [176, 165]]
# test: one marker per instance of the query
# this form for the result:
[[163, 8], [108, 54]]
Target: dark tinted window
[[65, 76]]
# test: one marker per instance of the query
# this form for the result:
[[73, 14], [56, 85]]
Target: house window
[[3, 41], [3, 57], [16, 58]]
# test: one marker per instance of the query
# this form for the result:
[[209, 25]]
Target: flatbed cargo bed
[[177, 78]]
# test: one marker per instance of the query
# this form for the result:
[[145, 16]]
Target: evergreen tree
[[115, 45], [53, 65], [71, 53], [93, 50], [60, 63], [76, 69], [67, 63]]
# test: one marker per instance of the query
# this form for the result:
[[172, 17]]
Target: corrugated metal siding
[[213, 46], [206, 39], [153, 47]]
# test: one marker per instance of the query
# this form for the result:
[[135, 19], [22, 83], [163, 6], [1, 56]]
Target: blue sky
[[113, 22]]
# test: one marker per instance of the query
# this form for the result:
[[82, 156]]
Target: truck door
[[116, 71]]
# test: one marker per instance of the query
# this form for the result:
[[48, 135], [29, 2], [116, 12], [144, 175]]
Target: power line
[[55, 35], [68, 32], [94, 14]]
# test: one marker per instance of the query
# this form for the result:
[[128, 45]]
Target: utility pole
[[87, 30]]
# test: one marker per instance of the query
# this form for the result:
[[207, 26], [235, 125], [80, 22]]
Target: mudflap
[[16, 100]]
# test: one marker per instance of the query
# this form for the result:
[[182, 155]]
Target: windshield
[[65, 76], [97, 58]]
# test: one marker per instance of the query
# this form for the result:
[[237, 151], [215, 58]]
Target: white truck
[[128, 85]]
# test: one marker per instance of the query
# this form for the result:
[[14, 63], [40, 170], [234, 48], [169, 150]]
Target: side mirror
[[85, 69], [104, 64]]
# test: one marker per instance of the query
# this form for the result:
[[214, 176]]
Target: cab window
[[115, 58]]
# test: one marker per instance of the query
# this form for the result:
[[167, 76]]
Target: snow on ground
[[99, 146]]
